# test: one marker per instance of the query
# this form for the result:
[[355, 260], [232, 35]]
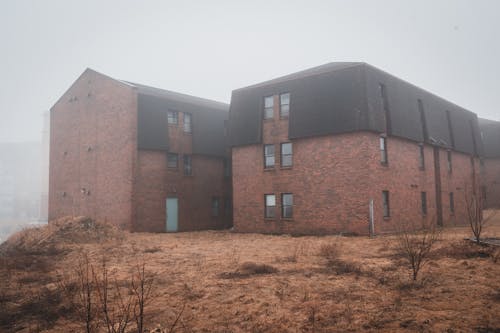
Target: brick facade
[[491, 189], [97, 170], [334, 177]]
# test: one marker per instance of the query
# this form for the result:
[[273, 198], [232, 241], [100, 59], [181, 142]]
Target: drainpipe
[[371, 222]]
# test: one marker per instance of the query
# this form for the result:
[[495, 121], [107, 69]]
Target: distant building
[[490, 132], [142, 158], [312, 149]]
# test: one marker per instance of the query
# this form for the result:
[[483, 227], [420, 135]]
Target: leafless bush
[[415, 244], [331, 252], [141, 287], [475, 216], [248, 269]]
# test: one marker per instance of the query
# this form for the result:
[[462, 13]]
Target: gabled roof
[[152, 91], [326, 68], [345, 97]]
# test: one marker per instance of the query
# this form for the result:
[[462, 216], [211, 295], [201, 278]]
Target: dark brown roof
[[208, 119], [344, 97]]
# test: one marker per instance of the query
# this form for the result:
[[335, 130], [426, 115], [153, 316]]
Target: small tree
[[474, 209], [415, 244]]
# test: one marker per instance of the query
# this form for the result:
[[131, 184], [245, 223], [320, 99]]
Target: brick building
[[490, 132], [142, 158], [311, 150]]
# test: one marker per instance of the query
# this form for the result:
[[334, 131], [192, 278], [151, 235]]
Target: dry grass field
[[218, 281]]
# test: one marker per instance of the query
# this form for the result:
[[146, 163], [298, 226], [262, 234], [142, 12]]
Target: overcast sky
[[208, 48]]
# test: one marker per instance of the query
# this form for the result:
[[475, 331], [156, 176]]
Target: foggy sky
[[208, 48]]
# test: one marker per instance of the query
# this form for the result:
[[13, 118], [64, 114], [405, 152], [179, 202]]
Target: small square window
[[287, 205], [270, 203], [188, 170], [268, 107], [187, 123], [286, 154], [385, 204], [268, 156], [172, 160], [173, 117], [284, 105]]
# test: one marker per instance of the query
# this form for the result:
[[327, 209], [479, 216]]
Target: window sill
[[387, 218], [269, 219], [269, 169], [286, 167], [284, 117], [287, 219]]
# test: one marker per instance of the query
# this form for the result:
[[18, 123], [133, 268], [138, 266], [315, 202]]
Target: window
[[172, 160], [385, 204], [270, 202], [449, 161], [423, 122], [286, 154], [268, 107], [215, 206], [423, 197], [187, 123], [188, 169], [385, 105], [268, 156], [421, 157], [284, 105], [173, 117], [452, 203], [383, 150], [227, 206], [287, 205], [227, 168]]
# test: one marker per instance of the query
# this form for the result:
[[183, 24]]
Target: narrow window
[[268, 107], [385, 204], [187, 165], [173, 117], [452, 203], [423, 196], [172, 160], [268, 156], [215, 206], [284, 105], [270, 202], [227, 206], [227, 168], [387, 111], [286, 154], [450, 169], [287, 205], [187, 123], [421, 157], [383, 150]]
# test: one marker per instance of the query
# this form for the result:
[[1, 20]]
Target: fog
[[208, 48]]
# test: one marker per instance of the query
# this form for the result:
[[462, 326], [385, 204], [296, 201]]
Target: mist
[[207, 49]]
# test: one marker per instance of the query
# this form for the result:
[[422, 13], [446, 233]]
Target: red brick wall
[[333, 179], [491, 174], [93, 134], [155, 182]]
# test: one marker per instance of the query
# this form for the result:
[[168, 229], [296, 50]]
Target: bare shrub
[[415, 245], [475, 216], [248, 269], [331, 252], [152, 249], [141, 287]]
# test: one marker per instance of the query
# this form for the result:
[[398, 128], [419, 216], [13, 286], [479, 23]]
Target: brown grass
[[226, 282]]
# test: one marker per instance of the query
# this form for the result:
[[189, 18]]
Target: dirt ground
[[212, 282]]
